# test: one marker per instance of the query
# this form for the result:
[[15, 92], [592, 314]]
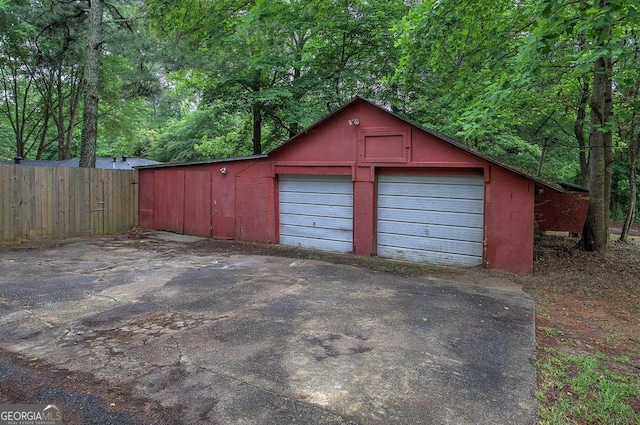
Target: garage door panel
[[429, 180], [316, 233], [436, 190], [437, 245], [316, 222], [316, 212], [321, 244], [431, 257], [334, 199], [318, 184], [431, 217], [431, 204], [434, 219], [431, 230]]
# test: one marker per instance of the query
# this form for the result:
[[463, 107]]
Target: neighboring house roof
[[207, 161], [123, 163], [434, 133]]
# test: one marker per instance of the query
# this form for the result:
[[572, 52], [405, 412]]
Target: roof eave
[[204, 162]]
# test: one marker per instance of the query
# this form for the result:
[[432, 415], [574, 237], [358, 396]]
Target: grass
[[575, 389], [551, 331]]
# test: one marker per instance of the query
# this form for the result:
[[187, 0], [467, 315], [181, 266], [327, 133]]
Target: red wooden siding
[[197, 203], [176, 199], [562, 212], [145, 198], [168, 200], [509, 221]]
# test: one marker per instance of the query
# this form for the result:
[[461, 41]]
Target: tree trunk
[[74, 102], [633, 152], [542, 154], [633, 199], [578, 130], [59, 120], [257, 128], [608, 141], [595, 234], [91, 85], [43, 133]]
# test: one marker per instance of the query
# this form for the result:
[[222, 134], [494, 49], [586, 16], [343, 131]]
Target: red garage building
[[361, 180]]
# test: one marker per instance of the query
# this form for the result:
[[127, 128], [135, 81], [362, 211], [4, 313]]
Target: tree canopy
[[550, 86]]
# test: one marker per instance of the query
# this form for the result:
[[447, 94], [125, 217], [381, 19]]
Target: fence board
[[46, 202]]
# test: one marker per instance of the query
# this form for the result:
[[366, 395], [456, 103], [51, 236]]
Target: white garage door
[[316, 212], [431, 219]]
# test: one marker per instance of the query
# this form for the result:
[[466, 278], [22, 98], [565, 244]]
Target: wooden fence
[[50, 203]]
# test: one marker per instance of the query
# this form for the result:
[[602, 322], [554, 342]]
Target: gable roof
[[354, 101], [443, 137]]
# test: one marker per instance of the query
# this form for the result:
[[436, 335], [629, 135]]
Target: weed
[[552, 331], [540, 311], [624, 360]]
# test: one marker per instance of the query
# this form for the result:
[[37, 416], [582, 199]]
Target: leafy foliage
[[194, 80]]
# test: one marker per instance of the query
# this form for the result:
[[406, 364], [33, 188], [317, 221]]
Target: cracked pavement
[[240, 339]]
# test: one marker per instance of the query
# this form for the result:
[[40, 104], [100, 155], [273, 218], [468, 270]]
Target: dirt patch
[[587, 302]]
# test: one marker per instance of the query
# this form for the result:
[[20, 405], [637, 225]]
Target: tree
[[591, 36], [628, 124], [595, 235], [19, 105], [41, 65], [579, 39], [283, 63], [610, 19], [60, 69], [91, 85]]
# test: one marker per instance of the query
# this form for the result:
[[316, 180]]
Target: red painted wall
[[145, 197], [244, 201], [168, 200], [561, 212], [509, 200], [197, 202]]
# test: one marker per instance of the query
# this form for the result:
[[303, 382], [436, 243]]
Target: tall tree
[[20, 105], [590, 36], [283, 63], [60, 69], [628, 123], [595, 235], [610, 18], [91, 80]]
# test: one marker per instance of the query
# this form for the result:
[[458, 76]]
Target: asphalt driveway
[[240, 339]]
